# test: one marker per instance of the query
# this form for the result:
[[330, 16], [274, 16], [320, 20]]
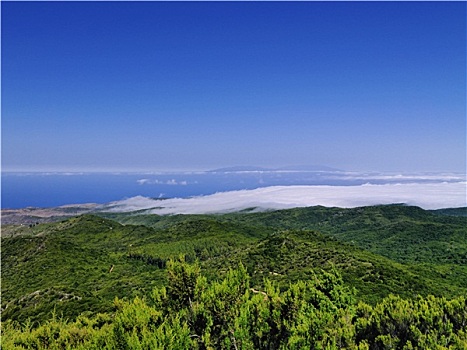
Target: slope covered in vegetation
[[432, 243], [82, 264], [192, 313], [77, 267], [403, 233]]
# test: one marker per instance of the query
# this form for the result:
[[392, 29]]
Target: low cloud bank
[[427, 196], [172, 182]]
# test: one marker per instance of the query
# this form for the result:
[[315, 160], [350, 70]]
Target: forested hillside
[[193, 313], [381, 263]]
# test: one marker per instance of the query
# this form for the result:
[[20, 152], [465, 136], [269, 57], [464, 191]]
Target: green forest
[[380, 277]]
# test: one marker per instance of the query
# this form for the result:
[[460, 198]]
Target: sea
[[51, 189]]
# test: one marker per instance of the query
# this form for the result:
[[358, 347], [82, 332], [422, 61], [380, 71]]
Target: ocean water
[[21, 190]]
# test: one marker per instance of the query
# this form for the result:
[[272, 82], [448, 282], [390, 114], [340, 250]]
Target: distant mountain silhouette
[[309, 168], [287, 168], [240, 168]]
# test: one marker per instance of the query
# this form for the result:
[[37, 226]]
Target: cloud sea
[[225, 191]]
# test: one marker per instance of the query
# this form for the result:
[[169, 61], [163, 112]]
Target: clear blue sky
[[163, 86]]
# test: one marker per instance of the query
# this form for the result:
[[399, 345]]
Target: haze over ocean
[[166, 87]]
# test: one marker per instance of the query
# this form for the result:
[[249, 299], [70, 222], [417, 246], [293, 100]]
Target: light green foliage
[[252, 281], [318, 313], [182, 280], [423, 323], [67, 265], [55, 333]]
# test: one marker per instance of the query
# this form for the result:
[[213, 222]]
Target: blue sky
[[164, 86]]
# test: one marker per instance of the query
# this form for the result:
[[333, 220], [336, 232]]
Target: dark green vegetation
[[430, 246], [452, 211], [79, 266]]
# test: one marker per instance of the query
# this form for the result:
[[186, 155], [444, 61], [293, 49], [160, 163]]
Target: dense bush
[[190, 313]]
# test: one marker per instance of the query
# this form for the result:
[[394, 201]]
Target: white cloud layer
[[427, 196], [172, 182]]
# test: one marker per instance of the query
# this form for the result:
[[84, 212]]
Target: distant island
[[241, 168]]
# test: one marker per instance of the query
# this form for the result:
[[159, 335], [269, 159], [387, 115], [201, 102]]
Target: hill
[[451, 211], [290, 256], [432, 243], [402, 233], [82, 264]]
